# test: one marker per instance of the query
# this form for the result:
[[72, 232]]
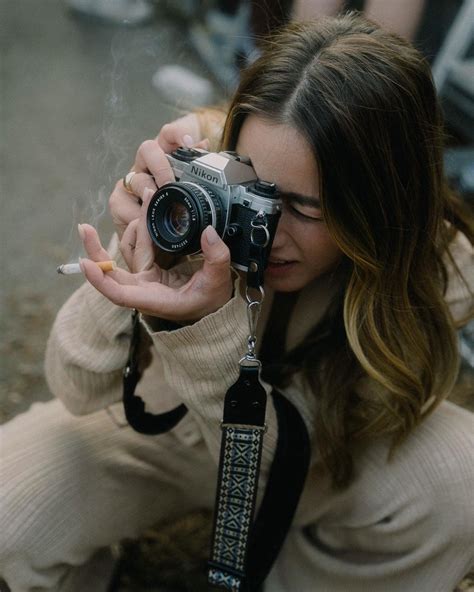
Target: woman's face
[[303, 249]]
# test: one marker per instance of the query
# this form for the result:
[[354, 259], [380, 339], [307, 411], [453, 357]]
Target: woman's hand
[[152, 169], [185, 131], [168, 294]]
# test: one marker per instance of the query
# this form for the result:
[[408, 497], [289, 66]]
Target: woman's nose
[[280, 234]]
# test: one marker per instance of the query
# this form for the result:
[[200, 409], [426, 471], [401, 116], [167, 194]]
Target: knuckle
[[147, 145], [222, 255], [166, 129], [220, 259]]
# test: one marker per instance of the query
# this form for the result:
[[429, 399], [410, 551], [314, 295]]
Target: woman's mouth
[[279, 266]]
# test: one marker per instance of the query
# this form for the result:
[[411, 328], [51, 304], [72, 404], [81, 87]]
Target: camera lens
[[177, 219], [179, 212]]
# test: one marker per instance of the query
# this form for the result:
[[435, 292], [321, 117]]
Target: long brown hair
[[365, 101]]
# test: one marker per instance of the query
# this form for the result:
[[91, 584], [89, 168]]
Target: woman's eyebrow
[[303, 200]]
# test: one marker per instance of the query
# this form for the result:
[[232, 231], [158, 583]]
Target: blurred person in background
[[228, 33], [399, 16]]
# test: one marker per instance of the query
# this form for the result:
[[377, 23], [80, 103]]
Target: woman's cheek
[[321, 249]]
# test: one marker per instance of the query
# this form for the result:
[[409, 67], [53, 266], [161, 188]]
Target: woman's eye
[[316, 217]]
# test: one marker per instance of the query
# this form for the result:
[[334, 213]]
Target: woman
[[343, 118]]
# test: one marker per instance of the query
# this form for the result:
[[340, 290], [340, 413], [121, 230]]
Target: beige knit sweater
[[400, 526]]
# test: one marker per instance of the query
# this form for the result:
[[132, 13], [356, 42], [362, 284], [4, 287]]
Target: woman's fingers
[[136, 245], [92, 244], [172, 135], [138, 183], [95, 275], [123, 210], [96, 252], [128, 244], [152, 169], [144, 242], [210, 287], [140, 291], [165, 294], [125, 207], [143, 252], [216, 253], [111, 285], [151, 157]]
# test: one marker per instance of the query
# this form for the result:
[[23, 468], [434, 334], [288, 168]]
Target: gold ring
[[127, 182]]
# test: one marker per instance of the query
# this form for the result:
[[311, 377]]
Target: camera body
[[218, 189]]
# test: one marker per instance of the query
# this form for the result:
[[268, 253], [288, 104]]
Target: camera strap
[[243, 550], [243, 428], [141, 420]]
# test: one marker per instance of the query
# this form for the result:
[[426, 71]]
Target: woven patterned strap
[[239, 468]]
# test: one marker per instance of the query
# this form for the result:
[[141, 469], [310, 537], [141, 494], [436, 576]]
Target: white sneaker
[[125, 12], [182, 87]]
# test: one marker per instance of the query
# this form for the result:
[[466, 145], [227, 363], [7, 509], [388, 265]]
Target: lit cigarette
[[70, 268]]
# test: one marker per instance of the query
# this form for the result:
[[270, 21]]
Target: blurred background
[[83, 82]]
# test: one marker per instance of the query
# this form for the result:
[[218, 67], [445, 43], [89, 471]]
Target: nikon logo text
[[204, 174]]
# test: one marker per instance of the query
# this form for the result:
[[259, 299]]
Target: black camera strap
[[142, 421], [242, 550], [243, 428]]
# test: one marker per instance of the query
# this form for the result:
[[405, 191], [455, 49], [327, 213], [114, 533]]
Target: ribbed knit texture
[[71, 485]]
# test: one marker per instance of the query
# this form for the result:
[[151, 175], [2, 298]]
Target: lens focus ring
[[205, 206], [179, 212]]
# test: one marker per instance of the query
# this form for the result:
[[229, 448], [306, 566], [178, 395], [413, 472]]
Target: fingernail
[[81, 265], [211, 235], [188, 141], [81, 232]]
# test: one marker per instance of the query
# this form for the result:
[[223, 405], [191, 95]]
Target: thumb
[[216, 256]]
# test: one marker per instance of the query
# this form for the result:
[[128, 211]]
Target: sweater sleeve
[[201, 361], [87, 350]]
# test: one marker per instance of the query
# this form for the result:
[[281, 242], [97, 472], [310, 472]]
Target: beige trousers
[[72, 486]]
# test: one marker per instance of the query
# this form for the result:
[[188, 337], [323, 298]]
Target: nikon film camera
[[218, 189]]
